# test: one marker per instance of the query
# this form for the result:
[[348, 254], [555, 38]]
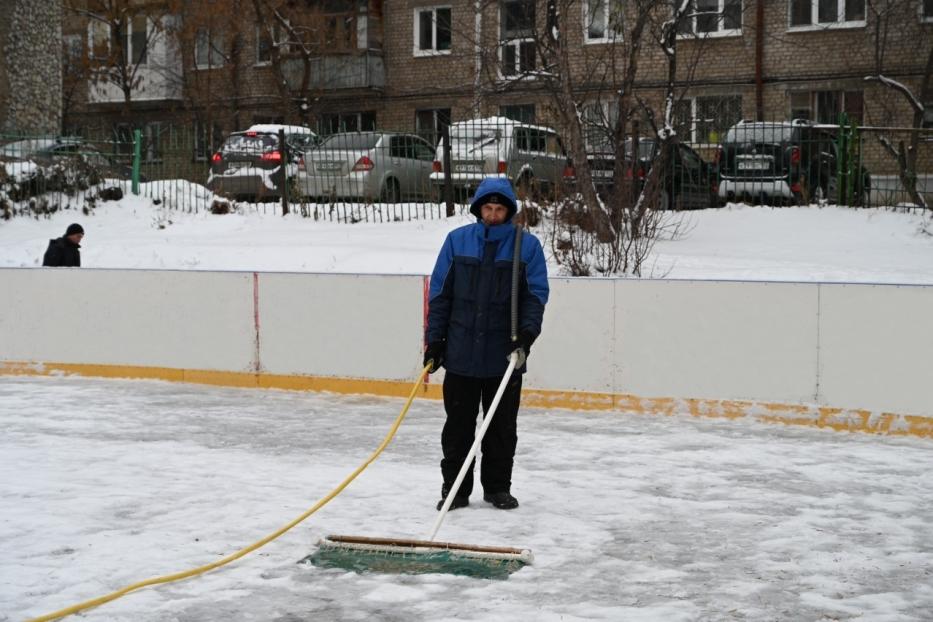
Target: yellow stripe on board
[[839, 419]]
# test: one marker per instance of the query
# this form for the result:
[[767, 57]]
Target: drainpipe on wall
[[759, 60], [478, 48]]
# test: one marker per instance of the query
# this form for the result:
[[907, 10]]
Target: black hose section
[[516, 269]]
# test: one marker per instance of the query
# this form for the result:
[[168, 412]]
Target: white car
[[531, 156], [370, 166]]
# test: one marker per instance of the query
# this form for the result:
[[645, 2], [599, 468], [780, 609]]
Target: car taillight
[[301, 164], [363, 164], [569, 173], [795, 156], [501, 167], [437, 167], [272, 156], [217, 158], [639, 172], [795, 187]]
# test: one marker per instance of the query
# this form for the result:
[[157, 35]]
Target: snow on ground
[[736, 242], [107, 482]]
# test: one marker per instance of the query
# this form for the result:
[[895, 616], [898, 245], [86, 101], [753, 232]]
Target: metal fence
[[388, 176]]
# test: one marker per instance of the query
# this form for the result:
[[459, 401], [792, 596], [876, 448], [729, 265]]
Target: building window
[[599, 121], [926, 10], [827, 13], [208, 49], [266, 40], [713, 18], [73, 48], [98, 40], [129, 39], [826, 106], [331, 123], [151, 148], [517, 23], [208, 137], [432, 31], [429, 124], [602, 20], [523, 113], [705, 120]]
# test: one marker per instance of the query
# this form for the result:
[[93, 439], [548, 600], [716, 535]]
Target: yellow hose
[[61, 613]]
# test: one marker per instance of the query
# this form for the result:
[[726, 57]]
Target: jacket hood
[[499, 186]]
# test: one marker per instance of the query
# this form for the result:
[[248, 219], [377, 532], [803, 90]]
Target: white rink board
[[153, 318], [575, 350], [717, 340], [876, 347], [847, 346], [344, 325]]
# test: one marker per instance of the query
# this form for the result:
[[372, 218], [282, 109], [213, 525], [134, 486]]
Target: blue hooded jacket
[[471, 287]]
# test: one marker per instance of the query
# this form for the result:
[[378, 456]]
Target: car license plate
[[753, 165], [468, 168], [328, 166], [601, 173]]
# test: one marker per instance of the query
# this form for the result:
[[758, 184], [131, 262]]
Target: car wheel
[[391, 192]]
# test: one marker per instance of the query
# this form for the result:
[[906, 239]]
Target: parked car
[[786, 162], [531, 156], [250, 164], [47, 151], [691, 182], [387, 166]]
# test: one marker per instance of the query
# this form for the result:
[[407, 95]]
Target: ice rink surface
[[637, 518]]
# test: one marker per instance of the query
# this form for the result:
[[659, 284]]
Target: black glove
[[522, 347], [434, 354]]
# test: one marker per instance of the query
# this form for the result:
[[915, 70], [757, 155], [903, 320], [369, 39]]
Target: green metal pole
[[137, 156], [841, 150]]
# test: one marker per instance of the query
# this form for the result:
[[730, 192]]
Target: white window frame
[[128, 44], [213, 51], [691, 137], [517, 44], [276, 40], [515, 41], [416, 44], [815, 24], [720, 31], [923, 16], [610, 35]]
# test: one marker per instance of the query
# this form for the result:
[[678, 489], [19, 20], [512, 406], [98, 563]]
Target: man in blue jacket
[[469, 333]]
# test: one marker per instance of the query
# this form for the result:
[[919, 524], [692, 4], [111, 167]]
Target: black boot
[[501, 500], [460, 500]]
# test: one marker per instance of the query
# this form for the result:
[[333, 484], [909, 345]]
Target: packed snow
[[636, 518], [735, 242], [108, 482]]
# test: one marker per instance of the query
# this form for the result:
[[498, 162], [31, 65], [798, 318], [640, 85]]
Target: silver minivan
[[369, 166], [531, 156]]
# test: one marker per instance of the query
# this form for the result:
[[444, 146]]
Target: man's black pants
[[462, 398]]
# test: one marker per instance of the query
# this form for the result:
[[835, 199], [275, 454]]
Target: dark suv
[[788, 162], [689, 184]]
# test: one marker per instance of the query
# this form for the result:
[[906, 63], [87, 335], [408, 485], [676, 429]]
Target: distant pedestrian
[[65, 252]]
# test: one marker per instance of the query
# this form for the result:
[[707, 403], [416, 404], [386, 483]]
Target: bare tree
[[886, 15], [613, 233], [122, 38]]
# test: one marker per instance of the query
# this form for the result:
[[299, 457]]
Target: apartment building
[[417, 64]]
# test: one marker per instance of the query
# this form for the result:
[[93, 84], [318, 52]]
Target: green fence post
[[137, 156]]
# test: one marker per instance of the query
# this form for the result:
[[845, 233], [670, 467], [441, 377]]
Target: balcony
[[352, 70]]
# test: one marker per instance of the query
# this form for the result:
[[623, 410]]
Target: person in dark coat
[[66, 250], [469, 333]]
